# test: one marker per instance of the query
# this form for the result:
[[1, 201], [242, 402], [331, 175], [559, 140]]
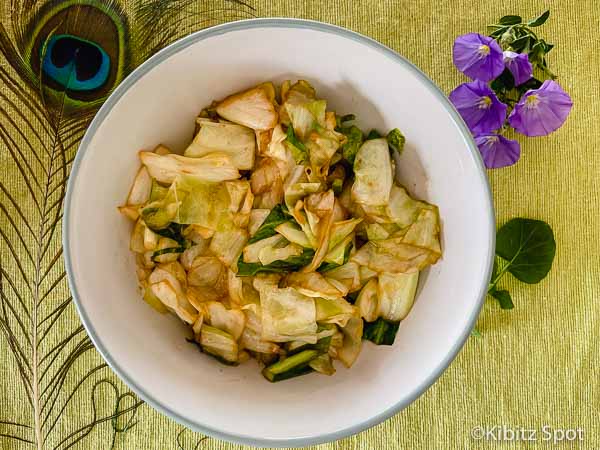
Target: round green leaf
[[528, 246]]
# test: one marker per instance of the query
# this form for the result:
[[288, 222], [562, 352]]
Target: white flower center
[[491, 140], [532, 102], [483, 50], [484, 102]]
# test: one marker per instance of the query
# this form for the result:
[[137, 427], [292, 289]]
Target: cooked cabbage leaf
[[287, 315], [252, 108], [213, 167], [373, 173], [235, 141]]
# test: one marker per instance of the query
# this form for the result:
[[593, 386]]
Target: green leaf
[[510, 20], [299, 151], [164, 251], [396, 140], [528, 246], [499, 31], [503, 297], [291, 264], [540, 20], [505, 82], [340, 120], [522, 44], [355, 140], [325, 266], [173, 231], [373, 134], [277, 216], [381, 332]]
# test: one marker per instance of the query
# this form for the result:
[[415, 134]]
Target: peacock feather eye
[[77, 51], [75, 64]]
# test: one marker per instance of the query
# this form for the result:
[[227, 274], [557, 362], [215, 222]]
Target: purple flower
[[541, 111], [519, 66], [478, 57], [497, 151], [479, 107]]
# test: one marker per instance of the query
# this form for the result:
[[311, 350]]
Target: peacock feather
[[60, 61]]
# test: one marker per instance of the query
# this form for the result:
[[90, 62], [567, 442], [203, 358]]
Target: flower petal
[[479, 107], [478, 57], [498, 151], [541, 111], [519, 66]]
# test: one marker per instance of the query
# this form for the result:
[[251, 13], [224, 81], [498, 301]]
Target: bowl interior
[[158, 104]]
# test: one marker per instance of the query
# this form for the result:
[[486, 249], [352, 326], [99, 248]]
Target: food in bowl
[[281, 233]]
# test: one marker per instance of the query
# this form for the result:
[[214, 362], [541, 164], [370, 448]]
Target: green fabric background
[[536, 365]]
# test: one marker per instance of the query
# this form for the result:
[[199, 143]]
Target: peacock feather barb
[[60, 61]]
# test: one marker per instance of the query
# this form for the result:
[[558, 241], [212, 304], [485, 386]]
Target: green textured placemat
[[535, 366]]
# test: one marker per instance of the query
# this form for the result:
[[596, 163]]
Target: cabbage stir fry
[[280, 233]]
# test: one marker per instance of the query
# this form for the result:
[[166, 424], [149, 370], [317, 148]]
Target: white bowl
[[158, 103]]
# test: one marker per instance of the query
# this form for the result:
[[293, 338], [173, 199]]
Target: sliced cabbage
[[219, 343], [279, 152], [174, 300], [157, 192], [396, 292], [402, 209], [301, 219], [213, 167], [230, 320], [373, 173], [304, 116], [321, 147], [206, 271], [337, 311], [252, 251], [252, 340], [376, 231], [322, 364], [136, 242], [197, 326], [293, 234], [393, 255], [202, 203], [312, 284], [267, 184], [424, 232], [199, 295], [339, 254], [287, 315], [150, 239], [228, 245], [235, 141], [154, 301], [131, 212], [268, 255], [140, 190], [161, 149], [190, 254], [321, 205], [252, 108], [368, 302], [167, 250], [298, 191], [341, 230], [352, 342], [257, 217], [348, 274], [238, 192]]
